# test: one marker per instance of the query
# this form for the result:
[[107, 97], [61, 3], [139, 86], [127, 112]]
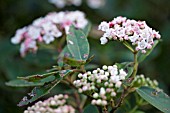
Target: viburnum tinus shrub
[[106, 89]]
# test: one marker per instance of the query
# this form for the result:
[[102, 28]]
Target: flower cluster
[[46, 29], [102, 84], [136, 32], [56, 104], [91, 3], [140, 80]]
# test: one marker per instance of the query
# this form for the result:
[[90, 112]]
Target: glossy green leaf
[[158, 99], [142, 57], [38, 92], [24, 83], [90, 109], [77, 44]]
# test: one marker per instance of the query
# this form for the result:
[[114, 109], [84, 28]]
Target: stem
[[128, 46], [135, 68], [127, 90], [78, 102], [105, 109]]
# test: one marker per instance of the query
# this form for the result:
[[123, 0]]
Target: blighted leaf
[[38, 92], [90, 109], [90, 59], [142, 56], [24, 83], [35, 78], [73, 62], [77, 44], [158, 99]]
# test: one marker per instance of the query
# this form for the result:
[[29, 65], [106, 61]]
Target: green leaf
[[38, 92], [36, 78], [66, 57], [128, 66], [124, 65], [87, 29], [91, 66], [90, 109], [142, 57], [77, 44], [158, 99], [24, 83]]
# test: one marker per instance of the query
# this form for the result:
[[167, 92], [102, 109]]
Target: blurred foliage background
[[18, 13]]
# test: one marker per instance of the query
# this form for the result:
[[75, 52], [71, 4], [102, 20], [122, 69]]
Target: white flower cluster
[[136, 32], [91, 3], [101, 83], [140, 80], [56, 104], [46, 29]]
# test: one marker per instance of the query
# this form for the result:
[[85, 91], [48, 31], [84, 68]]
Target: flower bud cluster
[[140, 80], [138, 33], [56, 104], [46, 29], [101, 84], [91, 3]]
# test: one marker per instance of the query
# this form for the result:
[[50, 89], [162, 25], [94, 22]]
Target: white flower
[[104, 103], [104, 26], [142, 44], [56, 104], [101, 83], [48, 38], [104, 67], [134, 38], [46, 29], [136, 32], [118, 84], [102, 91], [19, 35], [114, 79], [34, 32], [113, 94], [95, 95], [122, 74], [98, 102], [103, 40]]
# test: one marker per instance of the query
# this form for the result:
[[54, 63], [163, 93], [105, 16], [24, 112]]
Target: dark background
[[18, 13]]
